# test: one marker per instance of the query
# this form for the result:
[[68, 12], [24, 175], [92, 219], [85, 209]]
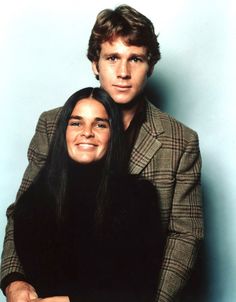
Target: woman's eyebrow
[[98, 119], [76, 117]]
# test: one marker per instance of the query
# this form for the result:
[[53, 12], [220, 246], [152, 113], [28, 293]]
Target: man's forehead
[[120, 44]]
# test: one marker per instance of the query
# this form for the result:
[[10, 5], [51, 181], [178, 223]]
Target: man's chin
[[122, 101], [127, 104], [121, 98]]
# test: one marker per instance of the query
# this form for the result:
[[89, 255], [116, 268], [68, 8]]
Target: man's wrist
[[11, 278], [15, 285]]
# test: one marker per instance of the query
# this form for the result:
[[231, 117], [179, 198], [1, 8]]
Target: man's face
[[122, 69]]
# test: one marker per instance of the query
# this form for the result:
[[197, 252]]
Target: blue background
[[43, 61]]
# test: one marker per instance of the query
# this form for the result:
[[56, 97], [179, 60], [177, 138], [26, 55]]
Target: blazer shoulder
[[47, 122], [51, 115], [168, 123]]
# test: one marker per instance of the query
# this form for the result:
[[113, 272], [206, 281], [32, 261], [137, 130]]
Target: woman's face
[[88, 132]]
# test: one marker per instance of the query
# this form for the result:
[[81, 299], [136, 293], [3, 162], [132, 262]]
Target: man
[[123, 49]]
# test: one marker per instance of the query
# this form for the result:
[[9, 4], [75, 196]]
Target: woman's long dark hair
[[56, 167]]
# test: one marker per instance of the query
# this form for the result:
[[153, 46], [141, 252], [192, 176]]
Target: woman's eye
[[102, 125], [74, 124]]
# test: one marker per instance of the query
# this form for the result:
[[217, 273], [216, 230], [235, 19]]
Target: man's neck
[[129, 110], [128, 115]]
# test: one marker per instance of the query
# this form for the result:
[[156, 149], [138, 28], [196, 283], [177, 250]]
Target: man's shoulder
[[47, 121], [51, 115], [165, 123]]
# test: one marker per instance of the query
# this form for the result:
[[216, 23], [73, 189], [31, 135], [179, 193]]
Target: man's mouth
[[122, 87]]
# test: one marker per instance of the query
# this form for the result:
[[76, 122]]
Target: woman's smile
[[88, 132]]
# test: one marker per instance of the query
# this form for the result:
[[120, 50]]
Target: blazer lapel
[[147, 143]]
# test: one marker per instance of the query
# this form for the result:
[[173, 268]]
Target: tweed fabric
[[166, 152]]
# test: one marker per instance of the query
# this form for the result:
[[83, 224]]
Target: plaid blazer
[[167, 153]]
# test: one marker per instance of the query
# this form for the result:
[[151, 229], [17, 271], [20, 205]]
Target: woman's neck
[[90, 173]]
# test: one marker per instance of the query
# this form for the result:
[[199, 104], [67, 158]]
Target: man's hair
[[126, 22]]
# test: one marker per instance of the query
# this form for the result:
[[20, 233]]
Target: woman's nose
[[87, 131]]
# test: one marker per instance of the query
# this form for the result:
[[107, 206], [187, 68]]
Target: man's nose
[[124, 70]]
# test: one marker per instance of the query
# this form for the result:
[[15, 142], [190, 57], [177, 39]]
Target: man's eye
[[112, 58], [136, 59]]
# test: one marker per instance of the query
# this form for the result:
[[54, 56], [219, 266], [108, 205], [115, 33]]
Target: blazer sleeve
[[37, 153], [185, 230]]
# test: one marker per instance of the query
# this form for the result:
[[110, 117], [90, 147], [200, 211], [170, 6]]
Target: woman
[[94, 229]]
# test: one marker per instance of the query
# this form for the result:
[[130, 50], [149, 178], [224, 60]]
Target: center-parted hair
[[126, 22], [56, 169]]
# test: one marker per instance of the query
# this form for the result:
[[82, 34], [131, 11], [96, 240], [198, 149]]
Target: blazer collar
[[147, 142]]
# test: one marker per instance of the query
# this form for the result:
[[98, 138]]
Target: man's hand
[[20, 291], [53, 299]]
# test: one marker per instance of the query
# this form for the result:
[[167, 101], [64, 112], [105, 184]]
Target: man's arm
[[185, 229], [53, 299], [11, 269]]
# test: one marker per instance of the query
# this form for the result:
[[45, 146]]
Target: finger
[[33, 295]]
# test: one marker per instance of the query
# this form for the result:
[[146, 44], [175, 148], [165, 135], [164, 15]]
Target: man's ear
[[95, 68]]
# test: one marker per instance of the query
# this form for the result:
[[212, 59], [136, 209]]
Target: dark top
[[131, 134], [73, 258]]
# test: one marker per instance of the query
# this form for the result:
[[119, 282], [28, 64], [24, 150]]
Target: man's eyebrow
[[111, 54], [134, 54]]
